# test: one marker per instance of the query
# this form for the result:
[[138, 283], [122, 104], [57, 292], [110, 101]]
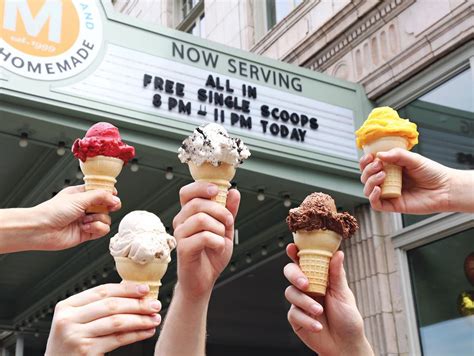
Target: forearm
[[461, 197], [20, 229], [184, 329]]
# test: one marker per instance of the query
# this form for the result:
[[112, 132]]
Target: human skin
[[428, 187], [204, 231], [102, 319], [330, 325], [58, 223]]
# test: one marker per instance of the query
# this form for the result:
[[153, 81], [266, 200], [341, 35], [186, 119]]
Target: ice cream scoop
[[382, 131], [141, 249], [101, 155], [102, 139], [212, 156], [318, 230], [142, 237], [212, 144]]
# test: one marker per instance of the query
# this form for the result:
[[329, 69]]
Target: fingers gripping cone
[[392, 185], [149, 273], [100, 172], [315, 251], [220, 175]]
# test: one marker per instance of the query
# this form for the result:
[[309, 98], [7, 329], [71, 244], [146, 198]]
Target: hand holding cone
[[382, 131]]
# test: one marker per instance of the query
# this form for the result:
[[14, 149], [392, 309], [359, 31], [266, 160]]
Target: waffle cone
[[220, 176], [100, 173], [149, 273], [392, 185], [315, 251]]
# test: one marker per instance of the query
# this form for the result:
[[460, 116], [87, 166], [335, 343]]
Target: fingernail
[[377, 164], [229, 221], [116, 199], [380, 174], [301, 282], [316, 326], [143, 288], [316, 309], [212, 189], [87, 219], [156, 318], [155, 305]]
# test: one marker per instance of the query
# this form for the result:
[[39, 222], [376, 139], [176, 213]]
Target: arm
[[56, 224], [337, 327], [204, 230], [102, 319], [428, 187]]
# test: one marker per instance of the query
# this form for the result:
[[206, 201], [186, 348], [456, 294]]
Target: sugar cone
[[220, 175], [100, 173], [392, 185], [315, 251], [149, 273]]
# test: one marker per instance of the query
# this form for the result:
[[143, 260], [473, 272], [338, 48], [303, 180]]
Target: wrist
[[180, 293], [460, 184]]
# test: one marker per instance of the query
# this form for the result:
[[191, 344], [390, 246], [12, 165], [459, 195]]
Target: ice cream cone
[[100, 173], [149, 273], [392, 185], [315, 251], [220, 175]]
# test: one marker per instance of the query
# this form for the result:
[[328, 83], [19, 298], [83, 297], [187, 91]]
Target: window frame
[[192, 18], [267, 12], [438, 226], [424, 232]]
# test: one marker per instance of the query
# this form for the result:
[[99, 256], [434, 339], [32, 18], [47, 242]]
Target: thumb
[[337, 274], [96, 197], [401, 157]]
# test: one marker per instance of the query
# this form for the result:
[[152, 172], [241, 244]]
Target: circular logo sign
[[49, 39]]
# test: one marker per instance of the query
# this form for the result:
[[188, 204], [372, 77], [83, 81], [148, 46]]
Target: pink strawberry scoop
[[102, 139]]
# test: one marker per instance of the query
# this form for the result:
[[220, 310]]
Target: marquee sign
[[158, 75], [49, 40], [143, 82]]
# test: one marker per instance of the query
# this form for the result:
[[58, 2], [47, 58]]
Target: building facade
[[416, 56]]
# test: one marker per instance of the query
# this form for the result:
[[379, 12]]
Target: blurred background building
[[407, 272]]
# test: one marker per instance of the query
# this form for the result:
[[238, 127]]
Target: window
[[443, 290], [445, 119], [191, 17], [187, 6], [278, 9]]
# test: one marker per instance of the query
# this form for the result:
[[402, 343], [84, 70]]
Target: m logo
[[49, 39], [42, 28], [51, 10]]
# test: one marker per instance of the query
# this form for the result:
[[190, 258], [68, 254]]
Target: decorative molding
[[433, 76], [356, 34], [449, 33]]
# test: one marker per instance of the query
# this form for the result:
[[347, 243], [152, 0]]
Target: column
[[19, 346], [374, 279]]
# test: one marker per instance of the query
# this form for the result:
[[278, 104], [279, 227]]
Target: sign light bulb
[[61, 150], [23, 140]]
